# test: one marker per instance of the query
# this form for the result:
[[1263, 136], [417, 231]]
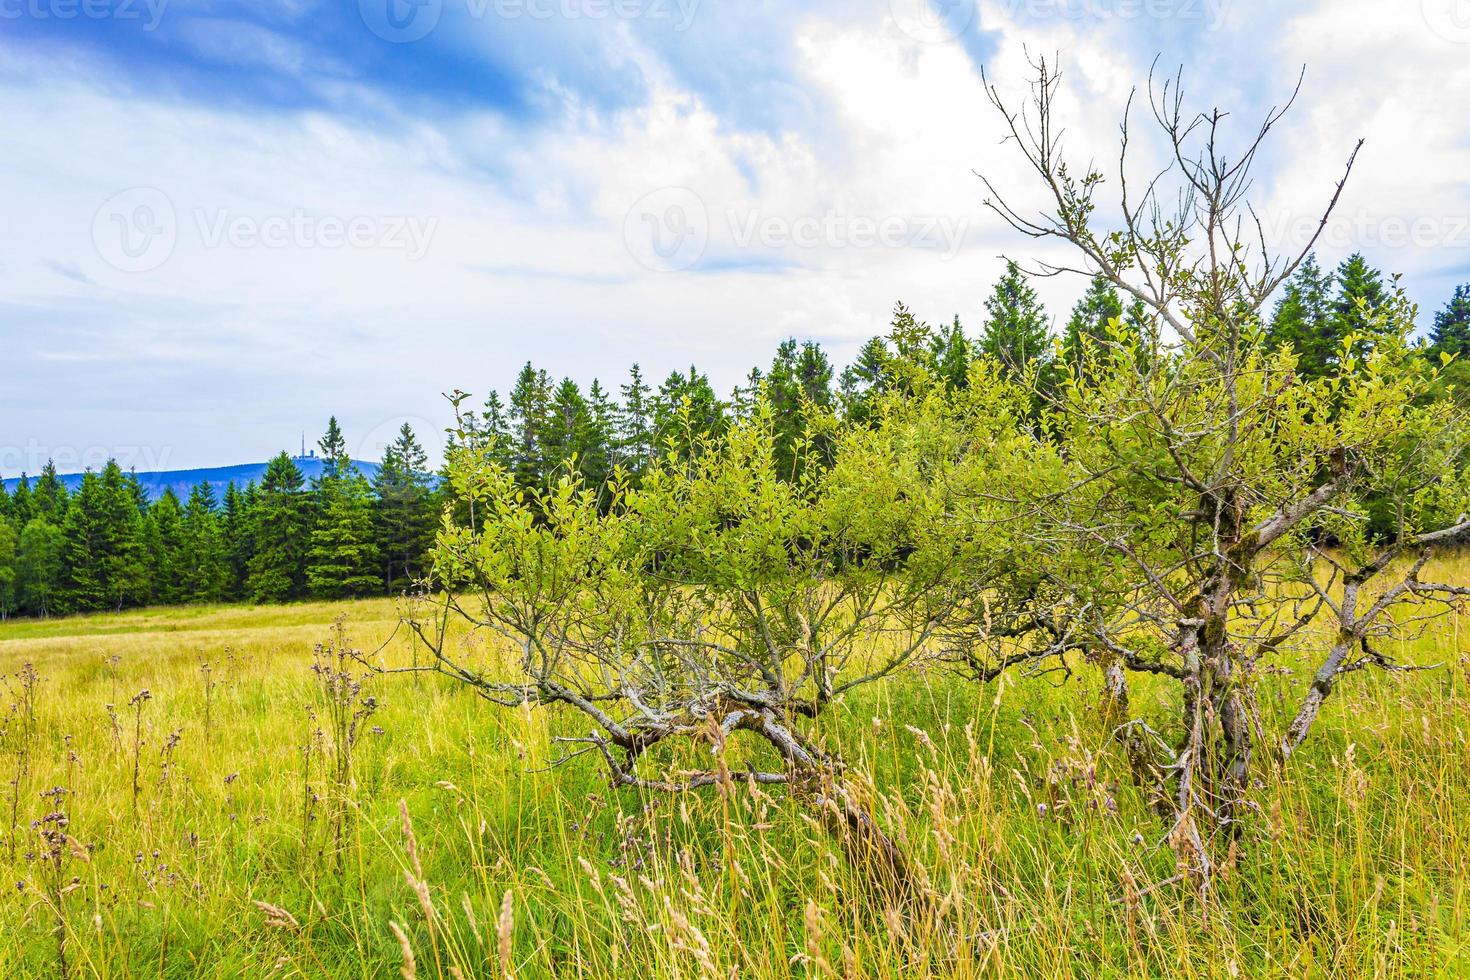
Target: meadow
[[231, 812]]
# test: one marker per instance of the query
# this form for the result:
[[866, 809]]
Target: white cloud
[[527, 255]]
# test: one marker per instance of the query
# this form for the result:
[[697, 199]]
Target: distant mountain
[[219, 477]]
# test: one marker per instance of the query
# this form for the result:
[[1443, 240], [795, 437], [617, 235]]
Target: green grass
[[1356, 862]]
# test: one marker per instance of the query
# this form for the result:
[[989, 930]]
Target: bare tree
[[1208, 477]]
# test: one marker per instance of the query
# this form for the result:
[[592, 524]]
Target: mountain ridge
[[156, 482]]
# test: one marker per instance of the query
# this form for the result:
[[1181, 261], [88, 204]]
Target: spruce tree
[[343, 559], [166, 540], [9, 566], [743, 397], [1361, 293], [278, 530], [1303, 320], [600, 452], [405, 510], [239, 541], [49, 495], [1451, 334], [205, 567], [635, 441], [565, 433], [335, 460], [799, 391], [22, 507], [868, 375], [686, 413], [1016, 326], [1087, 327], [494, 429], [105, 566], [530, 406], [39, 566], [953, 353]]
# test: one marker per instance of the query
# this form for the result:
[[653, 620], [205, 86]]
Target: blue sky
[[228, 220]]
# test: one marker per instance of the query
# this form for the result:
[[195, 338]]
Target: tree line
[[106, 546]]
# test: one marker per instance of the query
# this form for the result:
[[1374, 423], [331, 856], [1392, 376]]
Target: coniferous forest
[[107, 547]]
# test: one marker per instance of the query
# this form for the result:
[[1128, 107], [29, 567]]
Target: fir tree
[[1088, 325], [104, 562], [278, 530], [404, 509], [38, 566], [204, 566], [1451, 334], [1303, 320], [335, 461], [343, 558], [634, 424], [239, 541], [9, 566], [1015, 328], [22, 507], [530, 406], [868, 375], [799, 391], [49, 495], [495, 429], [565, 433], [686, 413], [952, 354], [1361, 294], [166, 540]]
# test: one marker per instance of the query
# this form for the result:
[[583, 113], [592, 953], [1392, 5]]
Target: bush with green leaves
[[718, 604]]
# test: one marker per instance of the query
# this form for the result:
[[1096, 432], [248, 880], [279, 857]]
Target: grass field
[[214, 832]]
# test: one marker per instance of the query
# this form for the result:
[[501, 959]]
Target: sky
[[225, 221]]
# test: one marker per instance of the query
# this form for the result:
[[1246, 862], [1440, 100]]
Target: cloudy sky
[[226, 220]]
